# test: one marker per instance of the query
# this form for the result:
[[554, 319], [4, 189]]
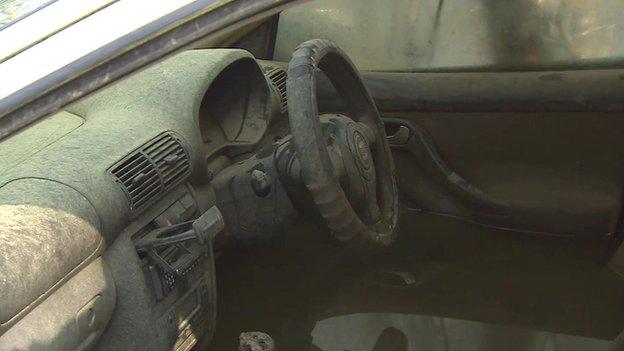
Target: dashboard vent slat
[[156, 147], [127, 168], [277, 76], [142, 167], [173, 173], [148, 172], [163, 152], [152, 181]]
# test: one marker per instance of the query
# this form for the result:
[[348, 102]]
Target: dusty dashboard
[[134, 158], [178, 267], [187, 118]]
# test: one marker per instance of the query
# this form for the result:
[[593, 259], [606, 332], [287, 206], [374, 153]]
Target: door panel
[[559, 173]]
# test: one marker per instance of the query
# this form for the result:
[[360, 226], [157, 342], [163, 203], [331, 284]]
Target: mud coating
[[47, 230], [83, 213]]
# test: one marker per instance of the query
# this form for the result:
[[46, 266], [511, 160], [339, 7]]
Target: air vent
[[278, 78], [153, 169], [170, 158]]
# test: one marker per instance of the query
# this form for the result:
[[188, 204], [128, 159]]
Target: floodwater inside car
[[402, 332], [433, 290]]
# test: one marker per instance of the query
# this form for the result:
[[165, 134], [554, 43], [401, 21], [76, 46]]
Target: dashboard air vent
[[150, 171], [278, 77], [170, 159]]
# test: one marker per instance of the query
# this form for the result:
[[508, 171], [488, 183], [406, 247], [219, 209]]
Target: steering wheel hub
[[361, 150]]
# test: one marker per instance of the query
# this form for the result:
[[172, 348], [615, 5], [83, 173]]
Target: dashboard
[[137, 156]]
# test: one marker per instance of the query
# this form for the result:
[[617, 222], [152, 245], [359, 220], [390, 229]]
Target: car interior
[[421, 175]]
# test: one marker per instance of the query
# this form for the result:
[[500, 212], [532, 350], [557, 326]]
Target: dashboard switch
[[202, 230], [208, 225]]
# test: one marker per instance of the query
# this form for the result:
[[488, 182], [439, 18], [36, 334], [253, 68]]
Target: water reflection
[[404, 332], [429, 292], [391, 339]]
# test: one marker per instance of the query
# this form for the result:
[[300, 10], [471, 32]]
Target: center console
[[177, 260]]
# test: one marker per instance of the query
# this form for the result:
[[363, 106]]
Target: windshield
[[14, 10], [438, 35]]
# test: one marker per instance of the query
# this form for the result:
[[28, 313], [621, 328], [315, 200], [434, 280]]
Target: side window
[[426, 35]]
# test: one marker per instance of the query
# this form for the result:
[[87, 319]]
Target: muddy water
[[444, 285]]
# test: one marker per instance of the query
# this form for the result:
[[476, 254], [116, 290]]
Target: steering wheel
[[368, 218]]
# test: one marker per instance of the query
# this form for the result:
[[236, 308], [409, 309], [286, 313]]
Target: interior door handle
[[400, 137], [414, 139]]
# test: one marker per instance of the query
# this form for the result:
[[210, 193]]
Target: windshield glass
[[14, 10], [438, 35]]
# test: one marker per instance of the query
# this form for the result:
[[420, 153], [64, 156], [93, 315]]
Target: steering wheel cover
[[319, 175]]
